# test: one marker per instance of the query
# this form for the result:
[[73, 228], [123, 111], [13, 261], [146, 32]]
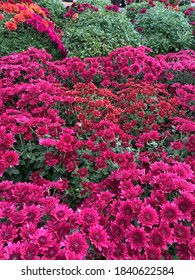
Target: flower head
[[76, 246]]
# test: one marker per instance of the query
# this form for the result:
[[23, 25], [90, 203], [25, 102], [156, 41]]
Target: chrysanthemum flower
[[185, 207], [10, 158], [11, 25], [166, 231], [26, 230], [76, 246], [169, 212], [148, 216], [118, 252], [8, 233], [89, 216], [134, 69], [153, 253], [29, 251], [99, 237], [181, 234], [1, 17], [42, 238], [157, 240], [149, 78], [191, 245], [32, 213], [13, 251], [137, 238]]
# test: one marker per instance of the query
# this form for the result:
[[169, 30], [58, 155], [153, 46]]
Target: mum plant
[[164, 30], [90, 172], [24, 24], [92, 32]]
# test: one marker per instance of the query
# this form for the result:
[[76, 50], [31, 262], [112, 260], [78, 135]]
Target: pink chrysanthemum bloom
[[183, 251], [6, 208], [181, 234], [157, 239], [32, 213], [8, 233], [105, 196], [27, 230], [149, 78], [183, 170], [134, 69], [76, 246], [51, 252], [115, 231], [191, 245], [89, 216], [17, 217], [29, 251], [167, 232], [118, 252], [47, 142], [10, 158], [137, 238], [148, 216], [185, 207], [42, 238], [153, 253], [12, 251], [169, 212], [126, 209], [61, 212], [99, 237]]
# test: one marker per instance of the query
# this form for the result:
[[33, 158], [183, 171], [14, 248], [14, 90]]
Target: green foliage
[[98, 33], [56, 10], [24, 37], [97, 3], [164, 30], [134, 8]]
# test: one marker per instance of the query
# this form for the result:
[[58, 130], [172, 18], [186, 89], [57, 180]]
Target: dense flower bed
[[14, 16], [97, 156]]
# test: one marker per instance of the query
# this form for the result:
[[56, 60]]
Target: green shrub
[[164, 30], [56, 10], [134, 8], [98, 33], [97, 3], [24, 37]]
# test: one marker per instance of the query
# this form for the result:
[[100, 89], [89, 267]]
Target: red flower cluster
[[97, 172]]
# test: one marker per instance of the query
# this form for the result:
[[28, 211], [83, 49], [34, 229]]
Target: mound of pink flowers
[[97, 157]]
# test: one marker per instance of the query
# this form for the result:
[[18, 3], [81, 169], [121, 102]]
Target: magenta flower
[[76, 246], [88, 216], [13, 251], [157, 240], [42, 238], [153, 253], [10, 158], [148, 216], [137, 238], [169, 212], [98, 237]]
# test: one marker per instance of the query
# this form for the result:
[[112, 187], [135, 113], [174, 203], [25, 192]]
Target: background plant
[[98, 33], [56, 10], [164, 30]]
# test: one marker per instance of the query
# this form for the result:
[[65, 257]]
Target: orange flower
[[26, 14], [11, 25], [75, 16], [1, 17], [19, 18], [45, 22]]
